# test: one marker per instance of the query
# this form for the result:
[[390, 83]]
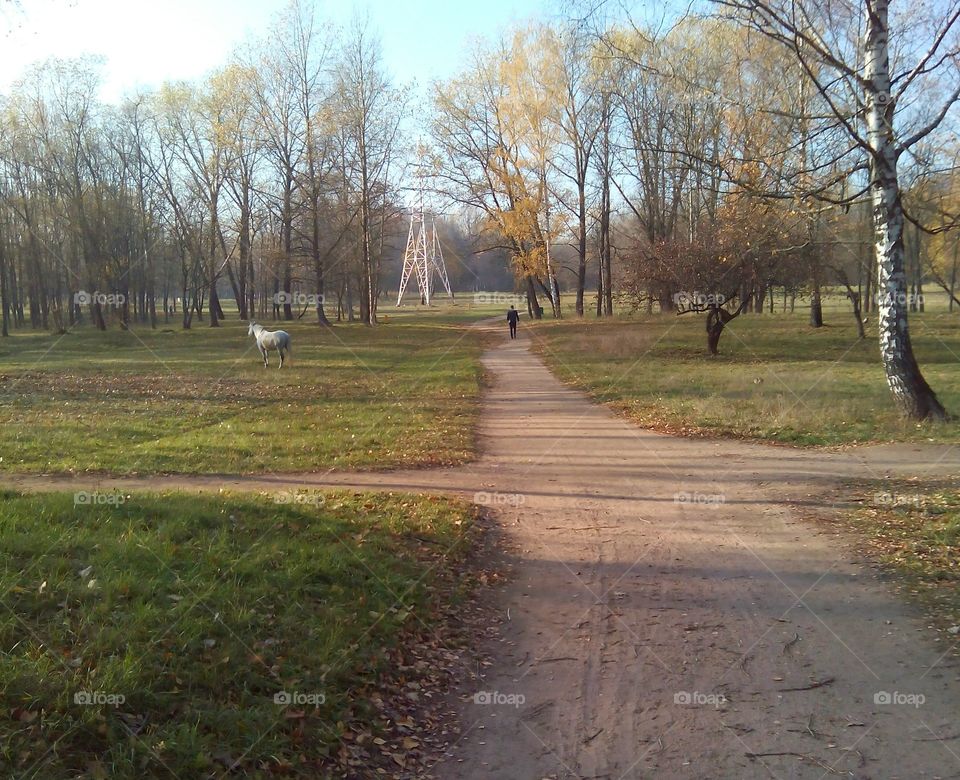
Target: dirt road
[[669, 608], [670, 615]]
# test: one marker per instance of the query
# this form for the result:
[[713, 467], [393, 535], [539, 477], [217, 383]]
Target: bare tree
[[371, 111]]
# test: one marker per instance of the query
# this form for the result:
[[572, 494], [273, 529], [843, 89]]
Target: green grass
[[776, 379], [197, 611], [200, 401]]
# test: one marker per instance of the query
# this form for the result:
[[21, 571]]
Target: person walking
[[513, 317]]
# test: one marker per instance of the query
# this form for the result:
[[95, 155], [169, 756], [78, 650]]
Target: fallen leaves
[[411, 724]]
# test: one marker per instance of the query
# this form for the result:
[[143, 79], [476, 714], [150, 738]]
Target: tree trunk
[[368, 305], [349, 296], [251, 288], [533, 305], [717, 319], [318, 264], [857, 314], [237, 285], [4, 300], [185, 308], [581, 244], [816, 307], [553, 288], [605, 232], [911, 391], [600, 283]]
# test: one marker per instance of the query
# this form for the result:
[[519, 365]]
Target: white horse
[[270, 339]]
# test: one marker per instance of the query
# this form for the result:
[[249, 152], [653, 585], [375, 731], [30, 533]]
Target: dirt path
[[670, 615]]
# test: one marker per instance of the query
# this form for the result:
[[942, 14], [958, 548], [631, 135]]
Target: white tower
[[424, 256]]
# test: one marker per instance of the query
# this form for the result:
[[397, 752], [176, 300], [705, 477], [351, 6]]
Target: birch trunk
[[907, 384], [4, 301], [551, 276]]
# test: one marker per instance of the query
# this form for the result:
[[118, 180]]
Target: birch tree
[[863, 72]]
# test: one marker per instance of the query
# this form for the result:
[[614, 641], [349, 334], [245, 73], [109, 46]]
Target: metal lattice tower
[[424, 256]]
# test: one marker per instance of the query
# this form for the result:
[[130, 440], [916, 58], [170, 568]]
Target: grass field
[[776, 378], [200, 401], [184, 636]]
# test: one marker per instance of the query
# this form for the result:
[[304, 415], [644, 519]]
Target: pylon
[[424, 256]]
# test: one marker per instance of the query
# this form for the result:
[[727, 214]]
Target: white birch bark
[[906, 383]]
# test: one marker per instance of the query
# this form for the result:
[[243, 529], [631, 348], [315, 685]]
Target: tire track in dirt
[[669, 613]]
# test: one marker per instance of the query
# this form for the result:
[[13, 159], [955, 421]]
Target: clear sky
[[145, 42]]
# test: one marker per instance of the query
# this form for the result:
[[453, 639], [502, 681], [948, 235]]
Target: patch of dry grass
[[912, 529]]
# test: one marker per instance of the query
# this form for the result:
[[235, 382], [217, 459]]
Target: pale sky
[[146, 42]]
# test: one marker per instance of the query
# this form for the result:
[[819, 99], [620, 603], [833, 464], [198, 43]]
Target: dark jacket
[[513, 316]]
